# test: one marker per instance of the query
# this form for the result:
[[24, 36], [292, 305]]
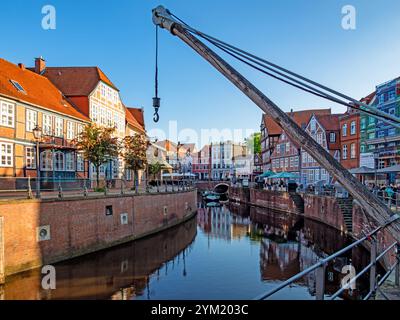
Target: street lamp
[[37, 133]]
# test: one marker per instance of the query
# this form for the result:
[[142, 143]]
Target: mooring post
[[2, 263], [320, 282]]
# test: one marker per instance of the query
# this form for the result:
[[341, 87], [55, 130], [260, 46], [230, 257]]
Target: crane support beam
[[374, 207]]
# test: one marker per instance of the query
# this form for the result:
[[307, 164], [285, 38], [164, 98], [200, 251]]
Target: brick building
[[202, 163], [350, 139], [325, 129], [28, 99]]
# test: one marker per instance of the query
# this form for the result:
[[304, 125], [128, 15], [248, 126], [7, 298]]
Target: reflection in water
[[234, 252]]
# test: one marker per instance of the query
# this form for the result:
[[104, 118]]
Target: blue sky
[[304, 35]]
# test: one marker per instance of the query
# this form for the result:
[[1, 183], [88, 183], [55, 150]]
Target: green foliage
[[98, 145], [134, 151], [155, 168], [254, 143]]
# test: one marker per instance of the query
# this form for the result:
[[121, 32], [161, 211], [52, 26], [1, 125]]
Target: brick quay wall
[[76, 226]]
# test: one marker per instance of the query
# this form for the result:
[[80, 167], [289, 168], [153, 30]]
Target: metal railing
[[376, 281], [391, 200], [29, 188]]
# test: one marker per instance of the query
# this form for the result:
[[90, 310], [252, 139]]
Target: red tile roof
[[300, 117], [133, 121], [329, 122], [39, 90], [77, 81], [138, 114]]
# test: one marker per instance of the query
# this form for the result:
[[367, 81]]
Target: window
[[31, 119], [353, 151], [344, 130], [286, 162], [353, 128], [59, 161], [319, 138], [381, 164], [30, 161], [363, 123], [392, 95], [344, 152], [288, 147], [392, 111], [296, 161], [362, 148], [381, 134], [392, 131], [47, 124], [69, 161], [371, 120], [6, 154], [332, 137], [382, 98], [371, 135], [313, 125], [7, 114], [59, 123], [281, 163], [70, 130], [46, 160], [18, 86], [95, 116]]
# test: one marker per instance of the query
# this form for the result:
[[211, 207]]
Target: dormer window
[[18, 86]]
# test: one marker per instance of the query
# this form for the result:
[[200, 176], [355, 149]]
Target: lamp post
[[37, 133]]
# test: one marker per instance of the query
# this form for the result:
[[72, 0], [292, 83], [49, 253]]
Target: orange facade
[[350, 140]]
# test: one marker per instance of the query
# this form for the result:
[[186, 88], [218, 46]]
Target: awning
[[362, 170], [284, 175], [395, 168]]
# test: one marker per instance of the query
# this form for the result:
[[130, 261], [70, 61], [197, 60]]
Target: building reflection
[[288, 244], [121, 272]]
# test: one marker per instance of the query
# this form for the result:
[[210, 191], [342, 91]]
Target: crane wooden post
[[374, 207]]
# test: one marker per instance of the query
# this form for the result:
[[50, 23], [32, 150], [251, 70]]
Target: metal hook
[[156, 116]]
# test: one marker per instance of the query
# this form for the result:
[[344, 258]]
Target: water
[[229, 252]]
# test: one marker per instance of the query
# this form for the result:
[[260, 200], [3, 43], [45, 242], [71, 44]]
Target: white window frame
[[80, 162], [69, 163], [70, 130], [344, 154], [7, 154], [7, 114], [59, 158], [47, 120], [344, 130], [353, 151], [59, 127], [352, 128], [30, 157], [46, 160], [31, 120], [332, 137]]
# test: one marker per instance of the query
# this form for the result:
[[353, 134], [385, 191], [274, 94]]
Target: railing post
[[397, 271], [372, 272], [30, 195], [158, 186], [122, 187], [60, 193], [320, 282]]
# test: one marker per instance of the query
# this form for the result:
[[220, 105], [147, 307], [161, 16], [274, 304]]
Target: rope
[[156, 100], [235, 52]]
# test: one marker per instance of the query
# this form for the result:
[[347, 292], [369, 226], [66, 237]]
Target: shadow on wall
[[121, 272]]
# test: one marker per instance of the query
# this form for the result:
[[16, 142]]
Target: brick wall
[[79, 226], [275, 200], [324, 209]]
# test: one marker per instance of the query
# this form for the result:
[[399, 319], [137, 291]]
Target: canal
[[228, 252]]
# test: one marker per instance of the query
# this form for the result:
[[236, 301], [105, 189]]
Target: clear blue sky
[[118, 36]]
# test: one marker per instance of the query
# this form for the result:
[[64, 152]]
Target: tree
[[134, 153], [98, 146], [155, 169], [254, 143]]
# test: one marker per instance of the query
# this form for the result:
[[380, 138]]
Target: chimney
[[40, 65], [21, 66]]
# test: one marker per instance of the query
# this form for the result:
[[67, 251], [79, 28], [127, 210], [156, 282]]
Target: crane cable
[[156, 99], [235, 52]]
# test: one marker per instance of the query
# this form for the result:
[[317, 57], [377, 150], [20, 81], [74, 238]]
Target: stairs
[[298, 201], [346, 208]]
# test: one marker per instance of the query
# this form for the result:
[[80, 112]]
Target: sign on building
[[367, 160]]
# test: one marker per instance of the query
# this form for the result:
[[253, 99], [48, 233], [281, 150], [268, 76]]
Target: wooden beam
[[2, 263], [370, 203]]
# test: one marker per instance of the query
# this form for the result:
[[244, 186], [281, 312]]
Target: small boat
[[212, 198], [213, 204]]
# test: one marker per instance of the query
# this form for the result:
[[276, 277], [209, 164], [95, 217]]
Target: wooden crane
[[373, 207]]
